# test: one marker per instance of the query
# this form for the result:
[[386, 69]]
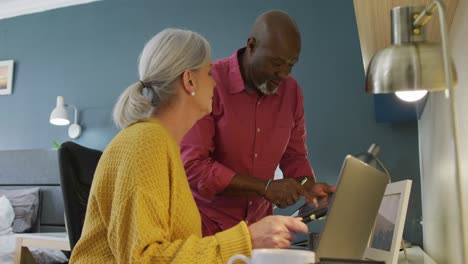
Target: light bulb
[[411, 96], [59, 121]]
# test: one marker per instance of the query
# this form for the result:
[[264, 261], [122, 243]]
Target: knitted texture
[[141, 209]]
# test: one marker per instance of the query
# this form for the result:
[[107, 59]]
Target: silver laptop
[[352, 211]]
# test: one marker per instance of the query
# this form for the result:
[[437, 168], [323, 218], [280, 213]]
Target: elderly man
[[257, 123]]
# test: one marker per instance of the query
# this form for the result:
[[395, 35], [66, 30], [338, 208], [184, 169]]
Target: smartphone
[[310, 208]]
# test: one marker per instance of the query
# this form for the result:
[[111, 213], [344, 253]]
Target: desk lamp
[[371, 157]]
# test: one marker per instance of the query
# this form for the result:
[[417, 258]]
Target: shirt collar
[[236, 83]]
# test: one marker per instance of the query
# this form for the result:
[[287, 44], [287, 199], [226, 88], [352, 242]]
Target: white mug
[[276, 256]]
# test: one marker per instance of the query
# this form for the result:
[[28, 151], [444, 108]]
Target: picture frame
[[6, 77], [384, 242]]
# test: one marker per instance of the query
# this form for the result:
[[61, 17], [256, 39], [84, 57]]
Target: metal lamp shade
[[407, 67]]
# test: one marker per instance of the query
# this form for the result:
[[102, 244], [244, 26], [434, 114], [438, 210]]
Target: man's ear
[[251, 44], [188, 81]]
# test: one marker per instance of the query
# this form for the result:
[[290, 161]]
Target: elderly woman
[[141, 209]]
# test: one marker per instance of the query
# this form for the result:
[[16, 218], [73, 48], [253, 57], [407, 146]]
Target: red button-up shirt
[[246, 133]]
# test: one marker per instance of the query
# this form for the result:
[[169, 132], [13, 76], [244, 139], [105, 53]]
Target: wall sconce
[[59, 117], [411, 64]]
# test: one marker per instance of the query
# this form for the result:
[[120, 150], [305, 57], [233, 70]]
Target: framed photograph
[[6, 77], [384, 243]]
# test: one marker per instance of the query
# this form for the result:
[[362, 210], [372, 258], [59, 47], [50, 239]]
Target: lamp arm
[[76, 112], [420, 21]]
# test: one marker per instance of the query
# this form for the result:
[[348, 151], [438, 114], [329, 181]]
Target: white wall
[[440, 214]]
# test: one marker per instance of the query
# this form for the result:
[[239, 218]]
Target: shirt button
[[250, 203], [258, 103], [258, 129], [255, 155]]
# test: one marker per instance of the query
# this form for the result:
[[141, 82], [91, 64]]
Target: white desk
[[38, 240], [415, 256], [60, 241]]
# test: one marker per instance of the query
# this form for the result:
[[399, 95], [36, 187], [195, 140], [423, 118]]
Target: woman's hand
[[276, 231]]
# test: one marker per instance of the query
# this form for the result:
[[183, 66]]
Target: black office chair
[[77, 166]]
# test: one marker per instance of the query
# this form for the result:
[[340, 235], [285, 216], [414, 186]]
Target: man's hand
[[317, 190], [285, 192]]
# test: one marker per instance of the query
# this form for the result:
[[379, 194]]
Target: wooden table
[[38, 240]]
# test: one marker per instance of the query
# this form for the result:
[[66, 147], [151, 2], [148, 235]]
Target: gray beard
[[264, 90]]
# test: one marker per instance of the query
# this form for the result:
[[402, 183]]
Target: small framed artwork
[[6, 77], [384, 243]]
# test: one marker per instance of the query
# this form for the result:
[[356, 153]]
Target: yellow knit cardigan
[[141, 209]]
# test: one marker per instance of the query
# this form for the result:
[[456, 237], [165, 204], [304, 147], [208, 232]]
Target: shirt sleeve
[[294, 162], [204, 173], [145, 234]]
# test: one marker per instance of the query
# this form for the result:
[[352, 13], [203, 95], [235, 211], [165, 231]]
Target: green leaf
[[56, 145]]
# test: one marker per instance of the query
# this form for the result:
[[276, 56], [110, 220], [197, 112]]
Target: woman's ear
[[188, 81]]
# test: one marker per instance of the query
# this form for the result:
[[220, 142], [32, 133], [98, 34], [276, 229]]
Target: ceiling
[[373, 21], [12, 8]]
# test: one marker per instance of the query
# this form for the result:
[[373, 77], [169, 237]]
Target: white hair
[[163, 59]]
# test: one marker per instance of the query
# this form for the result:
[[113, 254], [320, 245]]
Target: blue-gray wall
[[89, 54]]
